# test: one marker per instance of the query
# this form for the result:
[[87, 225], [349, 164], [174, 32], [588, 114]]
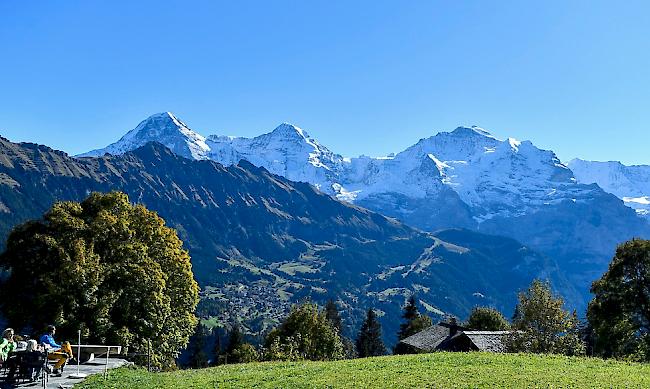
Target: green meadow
[[437, 370]]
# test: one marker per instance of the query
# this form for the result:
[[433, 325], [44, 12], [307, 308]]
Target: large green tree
[[619, 314], [107, 267], [413, 323], [369, 342], [486, 319], [305, 333], [542, 325]]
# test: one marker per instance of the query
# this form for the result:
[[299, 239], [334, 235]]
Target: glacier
[[629, 183]]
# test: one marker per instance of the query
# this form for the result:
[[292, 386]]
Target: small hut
[[452, 337]]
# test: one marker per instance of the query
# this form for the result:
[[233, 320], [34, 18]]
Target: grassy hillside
[[438, 370]]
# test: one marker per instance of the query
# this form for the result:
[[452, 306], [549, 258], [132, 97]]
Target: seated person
[[34, 359], [60, 353], [7, 346]]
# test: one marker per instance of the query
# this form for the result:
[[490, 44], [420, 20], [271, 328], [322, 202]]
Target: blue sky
[[367, 77]]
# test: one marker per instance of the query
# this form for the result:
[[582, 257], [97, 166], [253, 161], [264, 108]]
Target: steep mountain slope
[[629, 183], [465, 178], [259, 242]]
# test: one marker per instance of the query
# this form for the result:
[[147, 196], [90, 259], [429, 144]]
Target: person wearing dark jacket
[[34, 360]]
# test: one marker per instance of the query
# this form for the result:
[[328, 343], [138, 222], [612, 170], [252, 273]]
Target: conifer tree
[[198, 358], [217, 349], [369, 342], [235, 340], [414, 323], [410, 310], [332, 315]]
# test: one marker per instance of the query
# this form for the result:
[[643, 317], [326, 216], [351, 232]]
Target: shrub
[[245, 353]]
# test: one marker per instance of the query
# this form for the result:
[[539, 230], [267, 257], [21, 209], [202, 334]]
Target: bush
[[285, 350], [245, 353]]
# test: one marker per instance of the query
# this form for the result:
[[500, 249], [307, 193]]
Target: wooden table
[[89, 351]]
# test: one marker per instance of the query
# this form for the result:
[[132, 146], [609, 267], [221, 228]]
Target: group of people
[[32, 355]]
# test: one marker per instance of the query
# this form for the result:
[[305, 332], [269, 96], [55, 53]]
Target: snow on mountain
[[466, 178], [287, 151], [164, 128], [629, 183], [491, 176], [496, 176]]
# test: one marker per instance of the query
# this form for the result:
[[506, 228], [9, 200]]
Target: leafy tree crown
[[305, 333], [486, 319], [107, 267], [619, 314], [542, 325]]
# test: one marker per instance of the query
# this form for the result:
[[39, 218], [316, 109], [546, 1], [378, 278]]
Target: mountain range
[[260, 242], [466, 178]]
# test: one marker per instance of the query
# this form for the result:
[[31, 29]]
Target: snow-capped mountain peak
[[164, 128], [288, 130], [629, 183], [491, 176], [287, 150], [471, 131]]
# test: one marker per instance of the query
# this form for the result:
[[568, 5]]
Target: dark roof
[[430, 338], [443, 336], [487, 340]]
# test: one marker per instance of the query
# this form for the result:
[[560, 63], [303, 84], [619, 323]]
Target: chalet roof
[[430, 338], [442, 335], [487, 340]]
